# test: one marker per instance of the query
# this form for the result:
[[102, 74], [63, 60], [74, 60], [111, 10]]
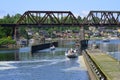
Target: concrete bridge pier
[[82, 37], [82, 33], [16, 33]]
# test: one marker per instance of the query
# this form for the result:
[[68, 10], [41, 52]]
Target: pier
[[101, 66], [35, 48]]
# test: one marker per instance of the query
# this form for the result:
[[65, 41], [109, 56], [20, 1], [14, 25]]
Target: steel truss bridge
[[66, 18], [63, 19]]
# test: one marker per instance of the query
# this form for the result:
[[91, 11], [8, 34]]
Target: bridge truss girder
[[103, 18], [48, 18]]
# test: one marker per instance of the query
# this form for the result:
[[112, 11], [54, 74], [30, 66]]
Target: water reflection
[[11, 55], [112, 47], [23, 54]]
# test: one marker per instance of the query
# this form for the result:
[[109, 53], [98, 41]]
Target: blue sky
[[78, 7]]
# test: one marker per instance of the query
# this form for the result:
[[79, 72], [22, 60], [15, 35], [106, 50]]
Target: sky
[[77, 7]]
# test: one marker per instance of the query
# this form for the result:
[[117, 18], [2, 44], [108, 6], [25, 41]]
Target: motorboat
[[52, 47], [106, 40], [71, 53]]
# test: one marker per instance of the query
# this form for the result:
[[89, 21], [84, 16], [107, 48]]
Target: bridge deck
[[107, 64]]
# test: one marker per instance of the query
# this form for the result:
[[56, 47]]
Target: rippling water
[[43, 65]]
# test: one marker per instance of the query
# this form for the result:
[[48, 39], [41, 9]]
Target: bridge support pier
[[82, 37], [82, 33], [13, 33], [16, 35]]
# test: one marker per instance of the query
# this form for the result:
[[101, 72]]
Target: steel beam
[[48, 18], [104, 18], [66, 18]]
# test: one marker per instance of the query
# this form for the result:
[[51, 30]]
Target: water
[[111, 48], [43, 65]]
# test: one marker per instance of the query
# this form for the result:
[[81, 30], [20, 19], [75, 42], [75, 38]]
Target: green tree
[[6, 41]]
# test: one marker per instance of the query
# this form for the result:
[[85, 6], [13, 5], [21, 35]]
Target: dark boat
[[72, 56], [106, 40]]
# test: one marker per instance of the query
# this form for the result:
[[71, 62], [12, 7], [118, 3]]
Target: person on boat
[[75, 51], [71, 50], [52, 47]]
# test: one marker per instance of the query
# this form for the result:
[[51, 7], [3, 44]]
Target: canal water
[[111, 47], [42, 65]]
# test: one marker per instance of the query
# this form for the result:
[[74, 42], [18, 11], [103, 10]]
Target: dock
[[35, 48], [101, 66]]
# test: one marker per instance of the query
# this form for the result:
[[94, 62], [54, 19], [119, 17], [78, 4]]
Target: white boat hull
[[71, 55]]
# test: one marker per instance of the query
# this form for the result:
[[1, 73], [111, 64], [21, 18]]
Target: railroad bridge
[[65, 18]]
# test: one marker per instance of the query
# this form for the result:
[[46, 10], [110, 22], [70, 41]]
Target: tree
[[6, 41], [79, 19]]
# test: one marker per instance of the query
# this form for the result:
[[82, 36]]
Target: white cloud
[[84, 13]]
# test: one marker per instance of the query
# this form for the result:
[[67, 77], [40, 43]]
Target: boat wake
[[5, 65]]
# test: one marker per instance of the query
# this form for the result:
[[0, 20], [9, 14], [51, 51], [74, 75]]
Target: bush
[[7, 41]]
